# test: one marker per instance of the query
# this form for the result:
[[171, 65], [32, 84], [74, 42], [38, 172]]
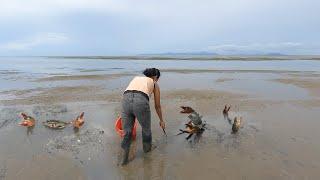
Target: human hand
[[162, 124]]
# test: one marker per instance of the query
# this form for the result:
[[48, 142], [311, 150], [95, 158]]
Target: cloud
[[35, 41], [142, 8], [18, 7], [140, 26], [258, 48]]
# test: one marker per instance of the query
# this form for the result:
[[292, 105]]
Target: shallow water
[[43, 65]]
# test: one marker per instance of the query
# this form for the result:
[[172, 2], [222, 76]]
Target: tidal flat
[[279, 102]]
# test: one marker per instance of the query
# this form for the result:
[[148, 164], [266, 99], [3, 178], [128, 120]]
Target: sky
[[130, 27]]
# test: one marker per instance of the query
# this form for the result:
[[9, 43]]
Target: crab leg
[[182, 132], [188, 137]]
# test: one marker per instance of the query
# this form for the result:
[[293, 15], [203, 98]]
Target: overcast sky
[[123, 27]]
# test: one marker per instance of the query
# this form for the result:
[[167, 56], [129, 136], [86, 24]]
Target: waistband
[[137, 92]]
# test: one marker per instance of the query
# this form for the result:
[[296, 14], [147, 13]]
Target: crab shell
[[191, 128], [55, 124], [236, 124]]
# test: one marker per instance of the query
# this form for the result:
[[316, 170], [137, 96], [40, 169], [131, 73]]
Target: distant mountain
[[206, 53], [200, 53], [275, 54]]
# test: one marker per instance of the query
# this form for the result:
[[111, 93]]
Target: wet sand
[[48, 166], [312, 85], [279, 139]]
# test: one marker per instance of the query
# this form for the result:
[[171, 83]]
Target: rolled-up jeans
[[136, 105]]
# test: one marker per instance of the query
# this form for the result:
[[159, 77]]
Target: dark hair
[[149, 72]]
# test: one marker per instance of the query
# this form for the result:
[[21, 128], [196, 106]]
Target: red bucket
[[120, 131]]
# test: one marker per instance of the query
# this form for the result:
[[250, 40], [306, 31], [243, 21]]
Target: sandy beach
[[279, 139]]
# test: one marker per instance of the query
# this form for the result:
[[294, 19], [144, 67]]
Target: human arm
[[157, 105]]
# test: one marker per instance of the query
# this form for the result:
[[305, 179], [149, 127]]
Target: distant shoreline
[[186, 57], [198, 57]]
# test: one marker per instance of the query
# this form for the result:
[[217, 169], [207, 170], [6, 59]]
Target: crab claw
[[79, 121], [81, 115], [186, 110], [23, 123], [226, 109], [24, 116]]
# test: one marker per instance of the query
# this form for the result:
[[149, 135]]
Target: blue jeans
[[136, 105]]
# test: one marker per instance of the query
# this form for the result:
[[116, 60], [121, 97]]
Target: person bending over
[[135, 104]]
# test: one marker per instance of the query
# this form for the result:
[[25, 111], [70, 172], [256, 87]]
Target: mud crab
[[237, 121], [79, 121], [53, 124], [236, 124], [27, 121], [195, 125]]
